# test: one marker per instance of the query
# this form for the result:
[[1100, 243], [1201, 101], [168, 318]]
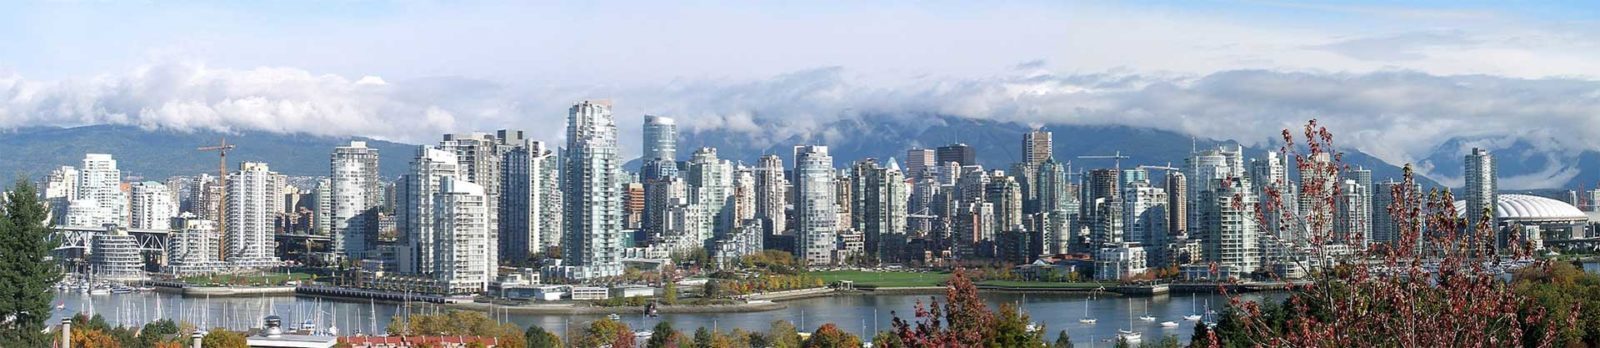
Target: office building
[[959, 153], [918, 162], [660, 138], [1037, 146]]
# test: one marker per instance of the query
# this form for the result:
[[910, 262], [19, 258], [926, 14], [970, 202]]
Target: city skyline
[[1243, 77]]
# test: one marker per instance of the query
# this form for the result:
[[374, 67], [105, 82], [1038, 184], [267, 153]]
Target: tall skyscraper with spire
[[592, 192]]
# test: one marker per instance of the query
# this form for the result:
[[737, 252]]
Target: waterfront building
[[479, 158], [248, 241], [354, 194], [1145, 217], [1530, 220], [592, 197], [115, 256], [1120, 262], [961, 154], [194, 248], [816, 207], [415, 216], [462, 242], [61, 187], [1227, 218], [151, 206]]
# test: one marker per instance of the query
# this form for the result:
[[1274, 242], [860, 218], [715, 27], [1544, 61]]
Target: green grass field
[[1043, 285], [885, 279], [247, 279]]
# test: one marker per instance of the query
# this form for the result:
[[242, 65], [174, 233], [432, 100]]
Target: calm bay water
[[857, 314]]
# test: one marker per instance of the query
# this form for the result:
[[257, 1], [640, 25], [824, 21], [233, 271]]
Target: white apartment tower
[[151, 206], [429, 170], [772, 191], [461, 224], [249, 242], [355, 195], [100, 193]]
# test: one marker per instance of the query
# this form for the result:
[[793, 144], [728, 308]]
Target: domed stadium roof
[[1526, 207]]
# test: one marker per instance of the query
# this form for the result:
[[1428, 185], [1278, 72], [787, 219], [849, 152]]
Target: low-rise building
[[1118, 263], [589, 293]]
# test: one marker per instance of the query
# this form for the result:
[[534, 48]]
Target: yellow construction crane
[[222, 201]]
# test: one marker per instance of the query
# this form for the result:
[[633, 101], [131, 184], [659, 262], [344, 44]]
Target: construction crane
[[1115, 157], [1167, 167], [222, 190]]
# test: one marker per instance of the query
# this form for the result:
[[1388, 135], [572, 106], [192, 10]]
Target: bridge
[[1585, 244], [81, 238]]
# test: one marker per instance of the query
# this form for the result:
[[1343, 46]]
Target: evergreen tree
[[26, 272], [537, 337], [662, 336], [702, 338], [1062, 340]]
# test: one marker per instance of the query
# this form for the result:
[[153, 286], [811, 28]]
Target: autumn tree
[[829, 336], [963, 321], [607, 332], [1435, 284], [782, 334], [538, 337]]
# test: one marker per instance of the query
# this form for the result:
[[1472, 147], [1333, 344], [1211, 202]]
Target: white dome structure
[[1515, 207]]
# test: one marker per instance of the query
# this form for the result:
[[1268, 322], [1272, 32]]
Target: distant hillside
[[998, 144], [158, 154]]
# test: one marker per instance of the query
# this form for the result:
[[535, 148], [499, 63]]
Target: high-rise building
[[415, 216], [1385, 229], [1202, 170], [1145, 215], [1482, 186], [1005, 195], [744, 196], [918, 162], [151, 206], [1037, 146], [529, 217], [1228, 221], [1177, 203], [100, 193], [592, 177], [194, 248], [479, 156], [958, 153], [710, 181], [1053, 186], [60, 188], [322, 207], [879, 207], [772, 191], [660, 138], [249, 241], [1353, 219], [462, 244], [816, 206], [355, 194]]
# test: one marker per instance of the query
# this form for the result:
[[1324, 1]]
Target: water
[[856, 314]]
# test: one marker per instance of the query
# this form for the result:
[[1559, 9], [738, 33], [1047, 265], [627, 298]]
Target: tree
[[963, 321], [26, 272], [1370, 297], [669, 292], [1012, 329], [1062, 340], [607, 332], [1122, 343], [662, 336], [702, 338], [712, 288], [829, 336], [782, 334], [887, 339], [537, 337], [224, 339]]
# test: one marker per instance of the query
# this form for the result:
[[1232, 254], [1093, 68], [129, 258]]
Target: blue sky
[[1399, 78]]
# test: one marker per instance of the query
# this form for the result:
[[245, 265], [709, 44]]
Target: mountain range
[[154, 154]]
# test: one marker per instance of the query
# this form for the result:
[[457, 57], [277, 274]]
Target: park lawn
[[247, 279], [1043, 285], [885, 279]]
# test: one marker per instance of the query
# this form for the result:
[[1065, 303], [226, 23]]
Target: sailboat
[[1086, 318], [1194, 316], [1129, 335], [1146, 316]]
